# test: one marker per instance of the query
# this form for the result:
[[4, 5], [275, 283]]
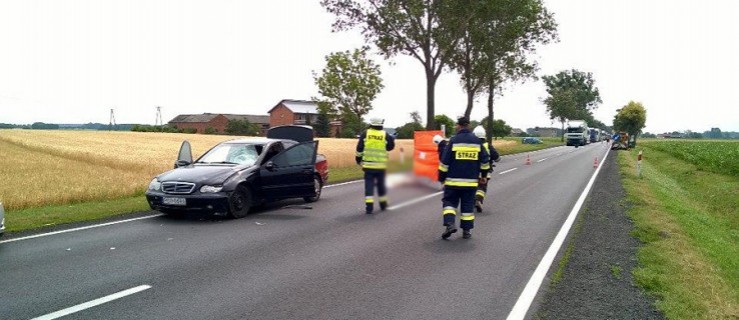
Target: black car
[[236, 175]]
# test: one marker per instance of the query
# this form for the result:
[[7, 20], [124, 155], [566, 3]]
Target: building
[[298, 112], [217, 121]]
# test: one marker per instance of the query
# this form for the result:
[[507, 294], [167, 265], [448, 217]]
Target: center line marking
[[93, 303], [509, 170], [414, 201], [541, 160]]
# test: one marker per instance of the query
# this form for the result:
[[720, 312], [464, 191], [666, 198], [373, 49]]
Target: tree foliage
[[242, 128], [572, 95], [631, 118], [447, 122], [348, 85], [499, 128], [323, 124], [406, 131]]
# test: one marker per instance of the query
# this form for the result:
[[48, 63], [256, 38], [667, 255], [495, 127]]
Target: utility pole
[[112, 120], [158, 121]]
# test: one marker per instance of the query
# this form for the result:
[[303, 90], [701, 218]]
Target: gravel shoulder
[[593, 278]]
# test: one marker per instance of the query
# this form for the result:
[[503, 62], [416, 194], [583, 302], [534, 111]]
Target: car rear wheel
[[318, 186], [240, 202]]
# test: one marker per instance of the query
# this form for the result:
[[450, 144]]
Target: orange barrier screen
[[425, 154]]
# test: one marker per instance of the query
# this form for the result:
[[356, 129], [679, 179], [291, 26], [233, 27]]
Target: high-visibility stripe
[[359, 154], [485, 166], [468, 146], [383, 199], [469, 217], [457, 148], [374, 165], [449, 211], [480, 193], [460, 184], [369, 199], [443, 167]]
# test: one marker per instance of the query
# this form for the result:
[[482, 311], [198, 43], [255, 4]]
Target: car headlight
[[155, 185], [210, 189]]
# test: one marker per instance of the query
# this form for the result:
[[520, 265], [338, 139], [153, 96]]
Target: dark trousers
[[482, 190], [374, 178], [453, 197]]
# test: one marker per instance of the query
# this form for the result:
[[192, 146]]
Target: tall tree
[[407, 130], [407, 27], [572, 95], [323, 124], [348, 85], [497, 42], [631, 118], [499, 128], [241, 128], [447, 122]]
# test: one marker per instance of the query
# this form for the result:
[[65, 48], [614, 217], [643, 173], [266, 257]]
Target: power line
[[112, 119]]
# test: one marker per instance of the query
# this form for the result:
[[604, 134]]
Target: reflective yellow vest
[[375, 152]]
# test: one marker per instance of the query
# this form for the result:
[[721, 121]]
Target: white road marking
[[92, 303], [532, 287], [509, 170], [414, 201], [341, 184], [80, 228], [542, 160]]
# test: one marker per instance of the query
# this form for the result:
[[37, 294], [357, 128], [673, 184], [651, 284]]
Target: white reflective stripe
[[466, 214], [466, 145], [369, 197], [450, 208], [460, 180]]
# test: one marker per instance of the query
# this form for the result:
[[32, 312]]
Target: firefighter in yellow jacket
[[372, 154]]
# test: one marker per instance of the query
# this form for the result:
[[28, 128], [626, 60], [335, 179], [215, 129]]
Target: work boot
[[466, 234], [383, 205], [448, 232], [369, 208]]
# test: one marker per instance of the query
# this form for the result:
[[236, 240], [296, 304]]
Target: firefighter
[[372, 152], [463, 162], [441, 142], [482, 187]]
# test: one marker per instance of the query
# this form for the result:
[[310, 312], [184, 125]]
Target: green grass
[[685, 212], [518, 147], [616, 271]]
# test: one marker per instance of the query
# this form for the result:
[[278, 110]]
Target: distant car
[[2, 219], [236, 175], [530, 140]]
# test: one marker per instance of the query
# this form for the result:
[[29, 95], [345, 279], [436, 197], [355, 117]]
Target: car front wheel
[[240, 202], [318, 186]]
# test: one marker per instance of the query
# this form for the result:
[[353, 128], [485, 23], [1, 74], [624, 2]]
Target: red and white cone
[[528, 160], [595, 162]]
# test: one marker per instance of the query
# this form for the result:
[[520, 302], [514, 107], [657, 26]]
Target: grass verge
[[688, 221], [519, 147]]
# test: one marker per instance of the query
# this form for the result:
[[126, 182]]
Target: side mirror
[[181, 163], [269, 166]]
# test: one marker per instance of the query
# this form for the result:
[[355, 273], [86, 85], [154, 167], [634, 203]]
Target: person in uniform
[[372, 154], [482, 187], [463, 162]]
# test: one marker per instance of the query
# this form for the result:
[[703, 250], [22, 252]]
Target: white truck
[[577, 133]]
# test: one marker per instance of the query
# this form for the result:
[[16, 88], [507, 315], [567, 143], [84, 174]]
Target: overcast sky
[[71, 61]]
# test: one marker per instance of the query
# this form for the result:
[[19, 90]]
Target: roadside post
[[638, 164], [402, 156]]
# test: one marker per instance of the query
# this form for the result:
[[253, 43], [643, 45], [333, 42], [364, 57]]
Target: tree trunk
[[563, 129], [470, 101], [491, 97], [430, 93]]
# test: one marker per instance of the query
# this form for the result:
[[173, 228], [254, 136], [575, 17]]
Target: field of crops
[[40, 168], [709, 155]]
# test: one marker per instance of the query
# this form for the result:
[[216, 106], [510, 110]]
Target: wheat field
[[40, 168]]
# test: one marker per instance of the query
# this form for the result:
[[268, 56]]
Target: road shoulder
[[592, 279]]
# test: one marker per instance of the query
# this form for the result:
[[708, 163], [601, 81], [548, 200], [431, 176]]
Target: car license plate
[[174, 201]]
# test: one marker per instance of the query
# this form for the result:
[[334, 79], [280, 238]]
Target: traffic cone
[[595, 162], [528, 160]]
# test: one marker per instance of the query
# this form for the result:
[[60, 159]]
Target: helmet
[[479, 132], [437, 139], [377, 122]]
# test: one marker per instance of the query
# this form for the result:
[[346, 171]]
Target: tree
[[210, 130], [348, 85], [631, 119], [498, 37], [401, 27], [323, 124], [572, 95], [407, 130], [241, 128], [447, 122], [499, 128]]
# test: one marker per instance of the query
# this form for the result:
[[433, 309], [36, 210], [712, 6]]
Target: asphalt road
[[328, 262]]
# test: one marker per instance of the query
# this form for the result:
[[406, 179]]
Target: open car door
[[290, 173], [184, 158]]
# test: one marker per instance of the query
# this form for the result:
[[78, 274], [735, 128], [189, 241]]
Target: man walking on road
[[482, 187], [463, 162], [372, 151]]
